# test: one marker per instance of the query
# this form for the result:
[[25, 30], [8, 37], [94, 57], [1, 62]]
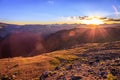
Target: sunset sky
[[51, 11]]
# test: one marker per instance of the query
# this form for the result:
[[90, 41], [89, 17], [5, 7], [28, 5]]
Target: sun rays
[[97, 34], [91, 33]]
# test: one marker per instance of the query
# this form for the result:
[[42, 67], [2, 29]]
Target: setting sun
[[94, 21]]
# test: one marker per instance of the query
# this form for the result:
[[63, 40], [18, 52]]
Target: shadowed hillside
[[21, 44], [25, 40], [31, 40], [68, 38]]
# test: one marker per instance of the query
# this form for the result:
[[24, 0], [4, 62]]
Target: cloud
[[80, 19], [116, 10], [69, 19], [50, 2], [112, 19], [74, 18]]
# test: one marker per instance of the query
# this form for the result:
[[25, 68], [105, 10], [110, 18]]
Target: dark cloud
[[111, 19], [103, 18]]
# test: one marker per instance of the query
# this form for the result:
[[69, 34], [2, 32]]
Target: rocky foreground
[[100, 63], [93, 61]]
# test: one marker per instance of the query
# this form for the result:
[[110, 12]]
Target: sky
[[55, 10]]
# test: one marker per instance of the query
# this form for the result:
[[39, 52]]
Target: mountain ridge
[[31, 40]]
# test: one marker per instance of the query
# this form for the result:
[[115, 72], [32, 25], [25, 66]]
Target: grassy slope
[[32, 67]]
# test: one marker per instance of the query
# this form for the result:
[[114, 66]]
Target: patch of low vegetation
[[111, 77], [87, 62], [61, 58], [54, 62]]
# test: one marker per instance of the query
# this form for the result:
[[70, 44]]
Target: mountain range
[[31, 40]]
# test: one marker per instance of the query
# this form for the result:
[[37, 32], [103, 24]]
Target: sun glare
[[93, 21]]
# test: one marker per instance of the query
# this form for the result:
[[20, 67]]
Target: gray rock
[[103, 74], [76, 78], [69, 67], [44, 75], [114, 72], [57, 68]]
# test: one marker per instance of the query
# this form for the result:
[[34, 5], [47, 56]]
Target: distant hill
[[68, 38], [24, 40], [31, 40]]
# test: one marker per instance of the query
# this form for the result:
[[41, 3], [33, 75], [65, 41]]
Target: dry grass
[[25, 67], [32, 67]]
